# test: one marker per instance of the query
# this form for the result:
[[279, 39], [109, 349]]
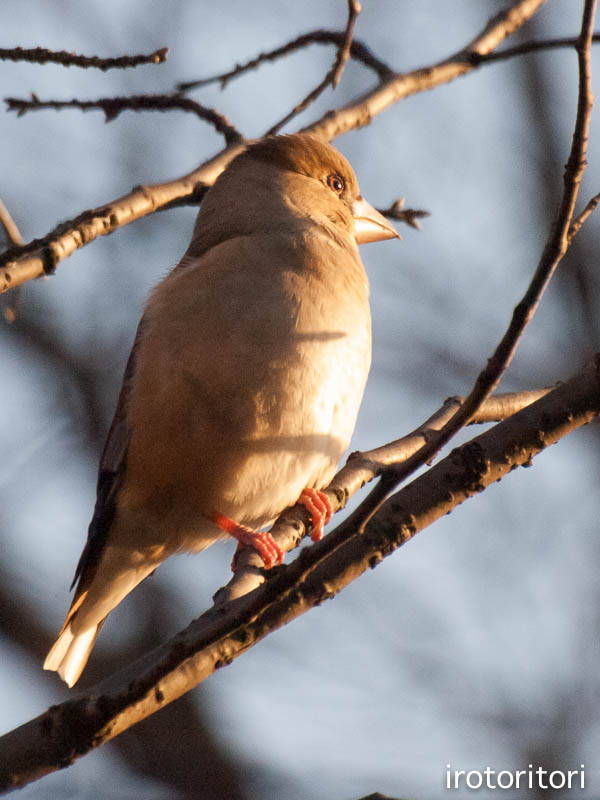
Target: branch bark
[[361, 468], [556, 246], [23, 265], [67, 731]]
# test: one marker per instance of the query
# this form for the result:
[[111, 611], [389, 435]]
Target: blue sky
[[478, 641]]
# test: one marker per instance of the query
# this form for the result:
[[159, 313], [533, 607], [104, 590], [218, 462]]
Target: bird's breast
[[248, 381]]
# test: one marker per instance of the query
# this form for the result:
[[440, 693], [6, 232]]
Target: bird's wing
[[110, 474]]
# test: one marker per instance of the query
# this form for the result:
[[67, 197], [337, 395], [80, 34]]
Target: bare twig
[[528, 47], [343, 53], [581, 218], [72, 729], [19, 267], [333, 75], [361, 468], [397, 87], [40, 55], [13, 235], [410, 216], [113, 106], [358, 51], [554, 250]]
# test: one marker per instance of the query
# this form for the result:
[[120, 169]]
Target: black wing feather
[[110, 476]]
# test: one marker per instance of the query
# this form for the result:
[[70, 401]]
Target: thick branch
[[361, 468], [46, 253], [20, 267], [67, 731]]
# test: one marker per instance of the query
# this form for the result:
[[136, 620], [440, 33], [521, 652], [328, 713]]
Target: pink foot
[[263, 543], [319, 507]]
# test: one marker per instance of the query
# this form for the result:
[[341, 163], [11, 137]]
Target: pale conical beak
[[370, 225]]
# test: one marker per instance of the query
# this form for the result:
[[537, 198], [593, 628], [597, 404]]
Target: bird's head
[[318, 181], [283, 181]]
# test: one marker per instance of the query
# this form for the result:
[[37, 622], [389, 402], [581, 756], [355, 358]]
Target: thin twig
[[113, 106], [358, 51], [410, 216], [13, 235], [343, 53], [333, 75], [40, 55], [581, 218], [19, 267], [527, 47], [554, 250]]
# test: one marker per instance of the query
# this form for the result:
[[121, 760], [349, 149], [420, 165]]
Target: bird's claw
[[262, 542], [320, 509]]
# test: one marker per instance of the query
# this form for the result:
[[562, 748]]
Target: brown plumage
[[245, 378]]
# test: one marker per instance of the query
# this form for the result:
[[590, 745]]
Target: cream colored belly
[[302, 444], [251, 463]]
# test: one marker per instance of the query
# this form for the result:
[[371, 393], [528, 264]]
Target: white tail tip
[[69, 653]]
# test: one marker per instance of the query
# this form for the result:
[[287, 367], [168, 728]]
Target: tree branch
[[40, 55], [361, 468], [69, 730], [410, 216], [20, 266], [10, 226], [13, 237], [113, 106], [581, 218], [556, 246], [358, 51], [399, 86], [529, 47], [333, 75]]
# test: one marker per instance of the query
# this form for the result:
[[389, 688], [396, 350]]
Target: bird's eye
[[335, 183]]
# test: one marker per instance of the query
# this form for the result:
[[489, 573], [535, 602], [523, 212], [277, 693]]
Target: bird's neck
[[276, 202]]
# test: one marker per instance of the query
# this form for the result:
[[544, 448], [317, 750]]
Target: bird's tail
[[70, 652], [101, 588]]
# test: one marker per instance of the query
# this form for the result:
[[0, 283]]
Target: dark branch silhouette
[[40, 55], [113, 106]]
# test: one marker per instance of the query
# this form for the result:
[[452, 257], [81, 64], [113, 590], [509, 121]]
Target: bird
[[244, 382]]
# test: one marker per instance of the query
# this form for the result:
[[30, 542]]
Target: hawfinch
[[243, 386]]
